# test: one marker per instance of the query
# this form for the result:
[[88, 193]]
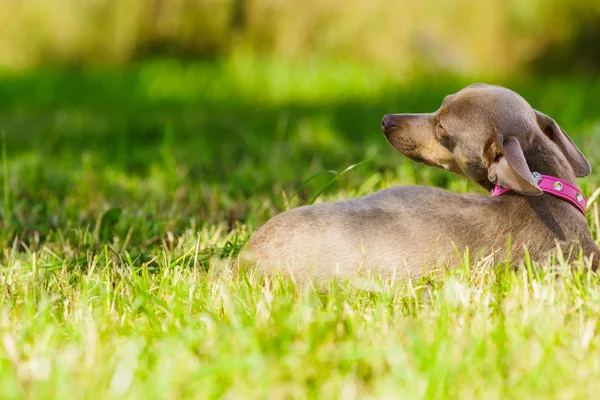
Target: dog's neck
[[545, 157]]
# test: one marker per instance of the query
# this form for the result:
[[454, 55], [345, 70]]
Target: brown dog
[[487, 133]]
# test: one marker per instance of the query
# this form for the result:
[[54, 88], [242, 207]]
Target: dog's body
[[487, 133]]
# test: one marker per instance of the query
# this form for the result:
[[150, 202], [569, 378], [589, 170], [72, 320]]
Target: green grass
[[125, 192]]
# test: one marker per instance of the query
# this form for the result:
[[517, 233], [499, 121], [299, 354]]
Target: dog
[[486, 133]]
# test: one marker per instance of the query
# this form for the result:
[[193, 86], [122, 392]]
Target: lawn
[[126, 191]]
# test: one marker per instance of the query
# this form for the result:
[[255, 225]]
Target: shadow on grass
[[170, 145]]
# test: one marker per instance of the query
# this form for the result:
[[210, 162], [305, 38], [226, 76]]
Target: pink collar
[[556, 187]]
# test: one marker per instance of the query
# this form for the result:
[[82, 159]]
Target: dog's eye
[[439, 130]]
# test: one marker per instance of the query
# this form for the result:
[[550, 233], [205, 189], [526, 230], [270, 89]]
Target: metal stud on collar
[[579, 197], [558, 186], [537, 176]]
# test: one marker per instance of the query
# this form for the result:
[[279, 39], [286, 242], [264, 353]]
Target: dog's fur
[[487, 133]]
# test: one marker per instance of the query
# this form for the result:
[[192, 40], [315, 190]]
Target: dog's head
[[489, 134]]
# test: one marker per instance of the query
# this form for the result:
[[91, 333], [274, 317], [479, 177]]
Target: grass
[[126, 191]]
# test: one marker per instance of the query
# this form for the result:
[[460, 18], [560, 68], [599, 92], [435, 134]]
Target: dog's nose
[[388, 121]]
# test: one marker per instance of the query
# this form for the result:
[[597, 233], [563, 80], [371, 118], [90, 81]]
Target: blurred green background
[[139, 119], [491, 36]]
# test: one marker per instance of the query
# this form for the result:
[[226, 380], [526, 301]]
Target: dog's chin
[[400, 143], [407, 147], [421, 160]]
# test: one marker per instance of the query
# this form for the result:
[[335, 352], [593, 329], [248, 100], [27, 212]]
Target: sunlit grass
[[106, 328]]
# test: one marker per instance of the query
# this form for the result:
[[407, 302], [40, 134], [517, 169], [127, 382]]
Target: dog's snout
[[390, 121]]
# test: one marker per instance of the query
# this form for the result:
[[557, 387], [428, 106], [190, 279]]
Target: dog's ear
[[581, 166], [509, 168]]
